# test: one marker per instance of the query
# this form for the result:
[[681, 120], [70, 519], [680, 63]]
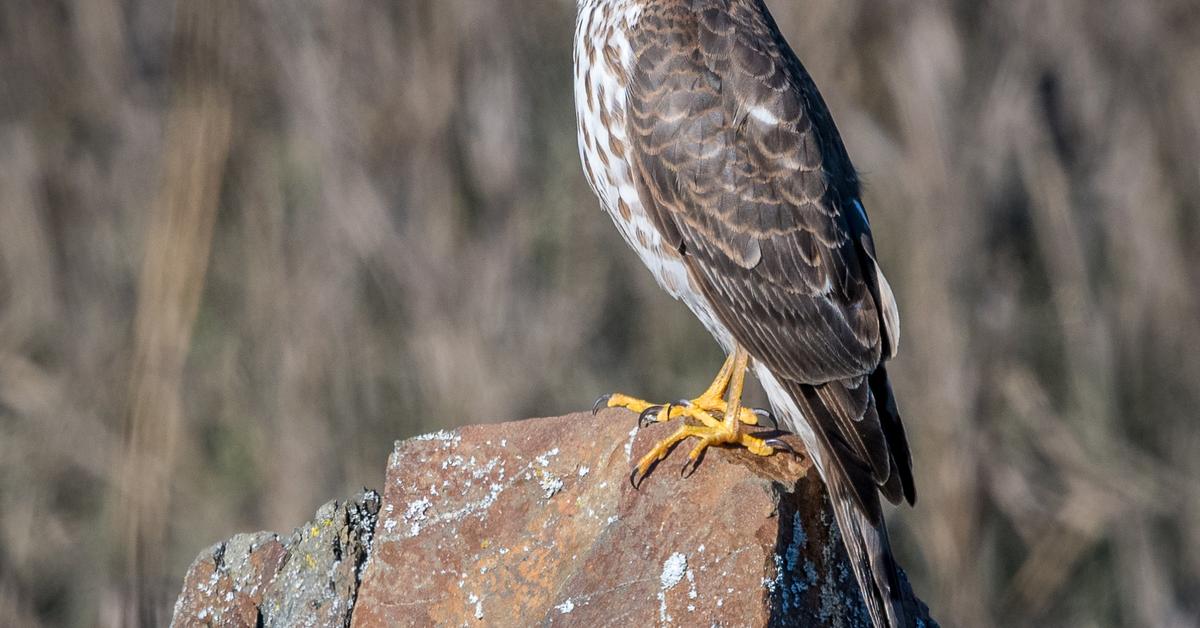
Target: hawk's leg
[[724, 398], [706, 408]]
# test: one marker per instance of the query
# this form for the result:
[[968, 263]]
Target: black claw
[[689, 468], [601, 402], [768, 415], [643, 418], [633, 479], [781, 445], [684, 403]]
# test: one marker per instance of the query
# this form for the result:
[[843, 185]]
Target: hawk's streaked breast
[[603, 57]]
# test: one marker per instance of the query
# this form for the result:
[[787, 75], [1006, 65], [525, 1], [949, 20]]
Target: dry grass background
[[244, 245]]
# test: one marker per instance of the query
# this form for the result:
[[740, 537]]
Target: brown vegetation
[[401, 241]]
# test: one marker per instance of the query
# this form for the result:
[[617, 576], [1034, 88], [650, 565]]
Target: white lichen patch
[[416, 509], [771, 583], [414, 515], [479, 472], [673, 570], [629, 445], [440, 435], [551, 485], [544, 459], [421, 520], [566, 607], [583, 471]]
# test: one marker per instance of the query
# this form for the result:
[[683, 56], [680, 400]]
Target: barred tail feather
[[853, 495], [870, 556]]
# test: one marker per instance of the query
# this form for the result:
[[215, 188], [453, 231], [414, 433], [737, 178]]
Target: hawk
[[709, 145]]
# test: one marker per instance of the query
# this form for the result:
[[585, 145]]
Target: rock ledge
[[535, 522]]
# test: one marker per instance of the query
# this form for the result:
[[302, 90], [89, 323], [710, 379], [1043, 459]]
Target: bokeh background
[[245, 245]]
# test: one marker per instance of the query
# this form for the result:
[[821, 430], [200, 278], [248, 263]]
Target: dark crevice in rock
[[219, 556], [814, 584], [361, 518]]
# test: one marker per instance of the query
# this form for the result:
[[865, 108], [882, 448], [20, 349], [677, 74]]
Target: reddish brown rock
[[535, 523]]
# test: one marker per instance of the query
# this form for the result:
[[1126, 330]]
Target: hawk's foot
[[708, 408], [722, 433], [723, 399]]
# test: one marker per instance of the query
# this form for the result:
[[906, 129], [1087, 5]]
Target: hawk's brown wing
[[742, 169]]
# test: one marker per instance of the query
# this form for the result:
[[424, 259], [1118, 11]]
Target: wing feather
[[725, 136]]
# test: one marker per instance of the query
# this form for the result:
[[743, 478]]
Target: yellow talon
[[704, 409]]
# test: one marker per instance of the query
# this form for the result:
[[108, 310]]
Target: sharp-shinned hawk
[[708, 143]]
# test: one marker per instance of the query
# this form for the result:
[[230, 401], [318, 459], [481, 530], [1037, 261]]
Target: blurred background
[[245, 245]]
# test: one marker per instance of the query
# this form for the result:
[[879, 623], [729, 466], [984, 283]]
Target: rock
[[535, 522], [309, 579]]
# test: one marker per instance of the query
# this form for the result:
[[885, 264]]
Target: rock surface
[[308, 579], [536, 523]]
